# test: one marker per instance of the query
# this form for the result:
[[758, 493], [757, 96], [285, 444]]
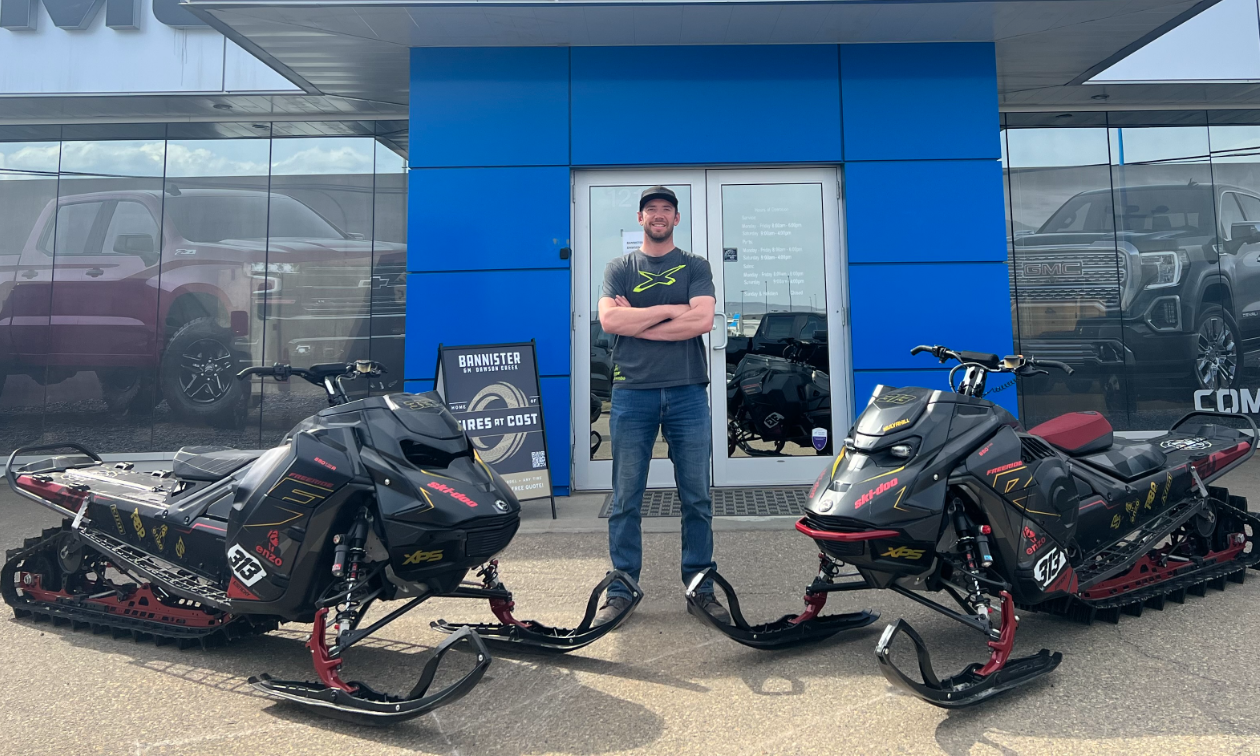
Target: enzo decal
[[416, 557], [903, 552], [246, 568], [1048, 568], [1035, 542], [270, 551]]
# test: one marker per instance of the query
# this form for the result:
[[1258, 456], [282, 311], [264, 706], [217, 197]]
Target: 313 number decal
[[244, 566]]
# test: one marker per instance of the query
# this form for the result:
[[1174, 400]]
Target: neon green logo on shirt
[[664, 278]]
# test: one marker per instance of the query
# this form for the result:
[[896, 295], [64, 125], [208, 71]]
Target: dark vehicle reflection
[[163, 295], [1154, 284]]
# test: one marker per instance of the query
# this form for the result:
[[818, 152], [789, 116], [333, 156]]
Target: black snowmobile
[[780, 400], [942, 492], [371, 500]]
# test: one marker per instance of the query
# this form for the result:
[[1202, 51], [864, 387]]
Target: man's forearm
[[633, 321], [693, 323]]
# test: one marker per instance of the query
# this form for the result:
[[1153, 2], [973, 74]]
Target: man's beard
[[658, 236]]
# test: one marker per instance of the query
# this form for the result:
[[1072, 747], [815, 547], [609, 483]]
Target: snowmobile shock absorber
[[982, 545], [354, 543]]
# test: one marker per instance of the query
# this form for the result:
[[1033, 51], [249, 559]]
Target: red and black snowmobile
[[371, 500], [940, 491]]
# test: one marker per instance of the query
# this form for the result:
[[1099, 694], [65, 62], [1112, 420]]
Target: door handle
[[94, 272], [719, 325], [29, 274]]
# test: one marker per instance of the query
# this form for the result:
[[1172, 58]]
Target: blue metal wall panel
[[488, 307], [489, 106], [919, 102], [865, 381], [897, 307], [719, 104], [556, 410], [487, 218], [925, 211]]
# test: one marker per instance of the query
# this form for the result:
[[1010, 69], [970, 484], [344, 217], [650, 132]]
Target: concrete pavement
[[1177, 681]]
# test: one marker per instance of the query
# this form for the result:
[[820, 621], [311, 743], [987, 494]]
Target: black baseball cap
[[658, 192]]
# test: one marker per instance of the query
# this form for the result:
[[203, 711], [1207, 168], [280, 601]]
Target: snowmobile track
[[82, 614]]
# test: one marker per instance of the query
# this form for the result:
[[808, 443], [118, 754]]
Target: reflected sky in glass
[[306, 156]]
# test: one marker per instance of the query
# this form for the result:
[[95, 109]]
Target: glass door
[[779, 370], [605, 206], [775, 243]]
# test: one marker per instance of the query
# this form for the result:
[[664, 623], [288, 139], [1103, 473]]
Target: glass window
[[285, 250], [1090, 212], [1231, 213], [615, 231], [78, 230], [1250, 206], [773, 269], [132, 230]]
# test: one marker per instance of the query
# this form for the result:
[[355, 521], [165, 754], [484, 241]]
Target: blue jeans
[[682, 415]]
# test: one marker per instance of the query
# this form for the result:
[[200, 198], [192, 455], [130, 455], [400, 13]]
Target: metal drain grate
[[727, 502]]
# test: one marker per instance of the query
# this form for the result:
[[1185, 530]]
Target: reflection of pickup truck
[[1170, 298], [775, 332], [163, 294]]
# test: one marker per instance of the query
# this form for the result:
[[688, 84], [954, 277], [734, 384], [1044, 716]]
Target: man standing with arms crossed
[[659, 302]]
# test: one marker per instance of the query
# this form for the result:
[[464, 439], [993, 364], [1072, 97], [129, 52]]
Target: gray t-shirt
[[673, 278]]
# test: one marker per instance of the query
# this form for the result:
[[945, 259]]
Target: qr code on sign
[[540, 459]]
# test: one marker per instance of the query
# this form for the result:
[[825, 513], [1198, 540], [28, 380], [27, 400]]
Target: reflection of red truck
[[95, 290]]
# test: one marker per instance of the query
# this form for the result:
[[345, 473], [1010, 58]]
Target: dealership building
[[187, 187]]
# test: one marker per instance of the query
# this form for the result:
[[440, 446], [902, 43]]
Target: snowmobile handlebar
[[1014, 363], [316, 373], [328, 375]]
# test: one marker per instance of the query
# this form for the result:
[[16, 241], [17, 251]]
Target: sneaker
[[711, 606], [612, 608]]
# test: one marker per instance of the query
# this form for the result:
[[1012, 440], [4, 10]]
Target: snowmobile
[[780, 400], [942, 492], [376, 499]]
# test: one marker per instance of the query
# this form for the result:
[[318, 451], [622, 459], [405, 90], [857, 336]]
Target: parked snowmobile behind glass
[[371, 500], [942, 492], [780, 400]]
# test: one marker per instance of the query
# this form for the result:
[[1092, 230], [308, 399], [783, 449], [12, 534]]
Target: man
[[659, 302]]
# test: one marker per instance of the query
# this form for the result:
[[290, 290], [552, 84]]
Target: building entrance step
[[787, 501]]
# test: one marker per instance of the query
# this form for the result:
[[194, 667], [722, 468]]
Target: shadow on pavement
[[519, 708]]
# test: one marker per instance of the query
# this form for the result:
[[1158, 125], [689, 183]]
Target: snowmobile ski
[[530, 635], [357, 702], [789, 630], [977, 682]]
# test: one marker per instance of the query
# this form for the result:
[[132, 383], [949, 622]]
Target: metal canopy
[[358, 48]]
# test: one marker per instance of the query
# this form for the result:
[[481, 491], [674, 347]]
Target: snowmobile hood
[[424, 414], [891, 412]]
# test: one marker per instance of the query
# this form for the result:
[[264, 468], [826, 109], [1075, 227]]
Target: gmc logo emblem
[[22, 15], [1052, 269]]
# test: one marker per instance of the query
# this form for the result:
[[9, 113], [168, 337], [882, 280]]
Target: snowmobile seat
[[1127, 460], [209, 463], [1077, 433]]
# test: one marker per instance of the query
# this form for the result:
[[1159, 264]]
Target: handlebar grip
[[247, 372], [1055, 364], [920, 349]]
